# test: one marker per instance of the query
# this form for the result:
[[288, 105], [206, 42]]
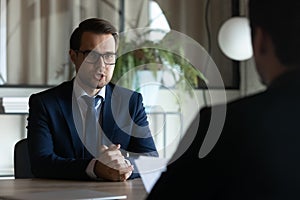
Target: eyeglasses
[[93, 57]]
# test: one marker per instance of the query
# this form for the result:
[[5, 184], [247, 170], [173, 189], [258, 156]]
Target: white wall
[[12, 127], [12, 130]]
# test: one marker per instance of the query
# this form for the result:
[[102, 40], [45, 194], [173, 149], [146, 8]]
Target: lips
[[100, 76]]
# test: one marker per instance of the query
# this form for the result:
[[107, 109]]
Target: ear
[[261, 42], [73, 55], [258, 41], [265, 57]]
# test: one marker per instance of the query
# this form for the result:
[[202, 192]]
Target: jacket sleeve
[[51, 150]]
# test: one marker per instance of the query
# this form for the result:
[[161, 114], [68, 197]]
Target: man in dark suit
[[58, 116], [257, 153]]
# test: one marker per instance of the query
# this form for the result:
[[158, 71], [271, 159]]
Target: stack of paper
[[15, 104]]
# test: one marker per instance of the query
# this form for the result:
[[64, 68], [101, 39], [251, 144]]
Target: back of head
[[94, 25], [281, 19]]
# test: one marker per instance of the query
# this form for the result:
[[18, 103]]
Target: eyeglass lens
[[108, 58]]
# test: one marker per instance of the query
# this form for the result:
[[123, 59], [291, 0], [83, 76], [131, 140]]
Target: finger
[[127, 162], [118, 163], [111, 158], [114, 154], [121, 165], [117, 175], [108, 159], [125, 174], [124, 177], [103, 148], [108, 173], [114, 147], [126, 170], [114, 150]]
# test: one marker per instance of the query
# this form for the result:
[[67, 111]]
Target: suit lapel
[[108, 117], [65, 97]]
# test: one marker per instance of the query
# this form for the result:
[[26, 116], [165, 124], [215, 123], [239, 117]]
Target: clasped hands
[[112, 165]]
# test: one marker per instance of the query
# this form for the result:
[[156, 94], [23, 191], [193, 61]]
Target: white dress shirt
[[78, 93]]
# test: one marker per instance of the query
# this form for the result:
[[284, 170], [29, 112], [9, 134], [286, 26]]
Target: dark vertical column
[[235, 9], [122, 16]]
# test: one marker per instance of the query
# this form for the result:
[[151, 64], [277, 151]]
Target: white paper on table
[[150, 169]]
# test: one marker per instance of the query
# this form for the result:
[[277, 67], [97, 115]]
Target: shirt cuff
[[127, 162], [90, 169]]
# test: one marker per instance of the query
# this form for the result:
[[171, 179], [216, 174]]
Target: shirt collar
[[79, 92]]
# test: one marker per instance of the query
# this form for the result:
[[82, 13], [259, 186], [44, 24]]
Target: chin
[[101, 85]]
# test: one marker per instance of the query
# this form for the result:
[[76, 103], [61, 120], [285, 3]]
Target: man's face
[[95, 60]]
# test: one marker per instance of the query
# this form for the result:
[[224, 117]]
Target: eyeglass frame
[[86, 53]]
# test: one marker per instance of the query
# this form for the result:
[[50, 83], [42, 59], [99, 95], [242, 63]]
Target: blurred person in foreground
[[257, 153]]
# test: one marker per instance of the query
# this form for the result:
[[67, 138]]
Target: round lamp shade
[[235, 39]]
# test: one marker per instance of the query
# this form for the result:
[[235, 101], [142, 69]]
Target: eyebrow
[[110, 52], [106, 52]]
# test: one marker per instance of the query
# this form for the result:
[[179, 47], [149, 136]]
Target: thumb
[[103, 148], [114, 147]]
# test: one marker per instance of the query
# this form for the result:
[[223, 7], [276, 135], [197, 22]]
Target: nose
[[100, 62]]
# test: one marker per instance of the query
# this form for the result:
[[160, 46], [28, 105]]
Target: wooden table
[[12, 188]]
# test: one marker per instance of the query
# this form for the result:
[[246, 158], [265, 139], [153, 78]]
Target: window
[[157, 18]]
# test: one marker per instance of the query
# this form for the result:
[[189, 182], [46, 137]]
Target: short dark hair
[[94, 25], [281, 20]]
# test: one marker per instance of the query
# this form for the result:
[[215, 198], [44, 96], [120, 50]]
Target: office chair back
[[22, 165]]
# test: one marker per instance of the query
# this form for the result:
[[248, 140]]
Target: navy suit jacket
[[55, 148], [255, 157]]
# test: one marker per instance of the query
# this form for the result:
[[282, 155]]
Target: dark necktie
[[91, 125]]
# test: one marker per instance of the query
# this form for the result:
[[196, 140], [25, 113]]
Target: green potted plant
[[138, 51]]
